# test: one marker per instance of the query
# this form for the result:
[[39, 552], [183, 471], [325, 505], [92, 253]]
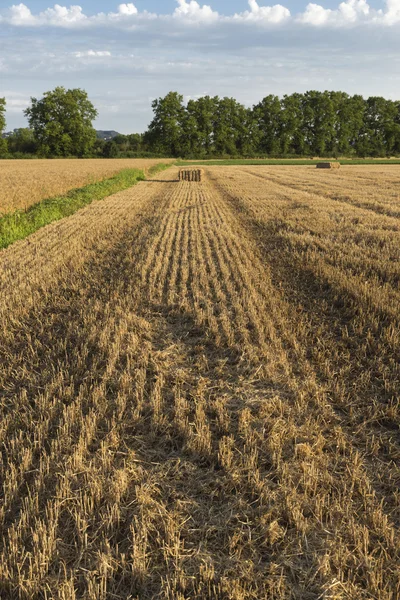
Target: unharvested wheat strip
[[201, 289], [242, 287], [163, 261], [151, 253], [216, 254], [217, 283], [170, 285], [156, 265], [176, 291], [183, 267]]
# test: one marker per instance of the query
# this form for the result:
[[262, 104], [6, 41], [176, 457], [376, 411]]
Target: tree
[[165, 133], [135, 142], [292, 136], [62, 122], [3, 142], [111, 149], [22, 140], [268, 114]]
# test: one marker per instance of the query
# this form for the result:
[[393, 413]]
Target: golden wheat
[[199, 392], [26, 182]]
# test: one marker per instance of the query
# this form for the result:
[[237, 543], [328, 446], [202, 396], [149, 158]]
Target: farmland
[[199, 391], [26, 182]]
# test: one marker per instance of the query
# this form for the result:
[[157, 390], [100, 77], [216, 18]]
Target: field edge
[[19, 225]]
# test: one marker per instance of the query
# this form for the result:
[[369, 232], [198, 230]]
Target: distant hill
[[107, 135]]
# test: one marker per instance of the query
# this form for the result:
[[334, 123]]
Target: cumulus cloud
[[127, 9], [192, 11], [349, 13], [392, 13], [264, 14]]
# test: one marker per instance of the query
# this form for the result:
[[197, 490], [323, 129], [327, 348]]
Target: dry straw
[[190, 175], [328, 165]]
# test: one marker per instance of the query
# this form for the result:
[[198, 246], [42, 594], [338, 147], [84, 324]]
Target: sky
[[127, 54]]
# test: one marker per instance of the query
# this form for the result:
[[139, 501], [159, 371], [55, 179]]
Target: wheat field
[[26, 182], [199, 389]]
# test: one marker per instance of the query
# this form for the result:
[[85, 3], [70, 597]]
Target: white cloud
[[127, 9], [193, 12], [264, 14], [92, 54], [62, 15], [16, 101], [349, 13], [392, 14], [20, 15]]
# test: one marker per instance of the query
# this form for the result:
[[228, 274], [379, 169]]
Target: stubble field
[[199, 389], [26, 182]]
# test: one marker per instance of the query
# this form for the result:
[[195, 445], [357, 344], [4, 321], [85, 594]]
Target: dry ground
[[25, 182], [200, 392]]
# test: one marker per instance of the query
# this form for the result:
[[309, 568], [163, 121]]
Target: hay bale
[[190, 175], [328, 165]]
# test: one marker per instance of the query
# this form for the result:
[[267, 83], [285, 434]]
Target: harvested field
[[26, 182], [199, 392]]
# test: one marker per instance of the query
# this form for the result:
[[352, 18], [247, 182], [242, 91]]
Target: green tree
[[111, 149], [318, 122], [381, 132], [62, 122], [3, 142], [268, 114], [135, 142], [230, 127], [22, 140], [203, 110], [165, 133]]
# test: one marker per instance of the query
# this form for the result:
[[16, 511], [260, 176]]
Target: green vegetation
[[61, 122], [158, 168], [315, 123], [300, 125], [282, 161], [18, 225]]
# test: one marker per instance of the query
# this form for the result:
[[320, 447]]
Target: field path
[[169, 428]]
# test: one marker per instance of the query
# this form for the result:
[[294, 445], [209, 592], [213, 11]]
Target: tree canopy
[[313, 123], [62, 122]]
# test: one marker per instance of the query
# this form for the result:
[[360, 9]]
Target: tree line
[[314, 123]]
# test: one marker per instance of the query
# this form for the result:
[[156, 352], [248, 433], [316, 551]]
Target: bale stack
[[190, 175], [328, 165]]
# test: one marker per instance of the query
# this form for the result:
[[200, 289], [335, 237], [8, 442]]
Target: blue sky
[[126, 54]]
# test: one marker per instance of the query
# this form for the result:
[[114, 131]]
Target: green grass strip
[[290, 162], [18, 225], [158, 168]]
